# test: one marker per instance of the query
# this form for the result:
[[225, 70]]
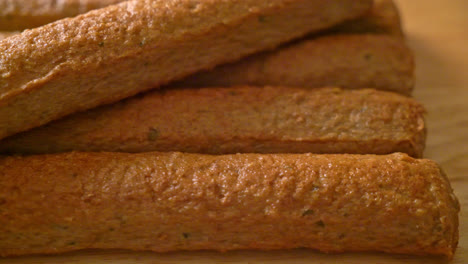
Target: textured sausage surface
[[173, 201], [111, 53], [239, 119], [353, 61]]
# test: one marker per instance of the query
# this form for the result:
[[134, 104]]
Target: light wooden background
[[437, 31]]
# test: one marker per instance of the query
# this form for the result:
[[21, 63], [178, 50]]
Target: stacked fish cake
[[159, 171]]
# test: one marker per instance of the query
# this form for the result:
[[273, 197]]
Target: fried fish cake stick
[[357, 61], [172, 201], [353, 61], [26, 14], [350, 61], [240, 119], [115, 52]]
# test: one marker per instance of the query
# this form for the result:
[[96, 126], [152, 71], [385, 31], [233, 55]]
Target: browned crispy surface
[[173, 201], [25, 14], [115, 52], [348, 60], [240, 119]]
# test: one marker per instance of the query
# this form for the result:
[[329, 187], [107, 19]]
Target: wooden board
[[438, 33]]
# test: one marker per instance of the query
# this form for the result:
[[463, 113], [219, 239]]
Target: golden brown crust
[[173, 201], [108, 54], [379, 62], [347, 60], [26, 14], [240, 119]]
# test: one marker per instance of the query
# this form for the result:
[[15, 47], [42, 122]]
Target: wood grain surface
[[437, 31]]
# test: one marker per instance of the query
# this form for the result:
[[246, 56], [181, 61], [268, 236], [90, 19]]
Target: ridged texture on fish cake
[[240, 119], [172, 201], [115, 52], [380, 62]]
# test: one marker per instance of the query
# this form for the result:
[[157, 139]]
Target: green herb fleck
[[262, 19], [320, 223], [308, 212], [186, 235], [142, 43], [153, 134], [122, 219], [101, 44], [60, 227], [367, 56]]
